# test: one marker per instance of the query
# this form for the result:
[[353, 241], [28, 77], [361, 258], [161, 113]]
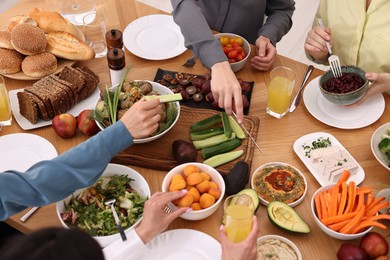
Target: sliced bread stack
[[54, 95]]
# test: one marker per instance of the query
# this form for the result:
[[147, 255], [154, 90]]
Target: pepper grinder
[[116, 62], [114, 39]]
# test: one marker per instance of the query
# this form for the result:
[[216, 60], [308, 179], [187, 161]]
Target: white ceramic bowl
[[215, 176], [139, 184], [386, 194], [327, 230], [375, 139], [272, 164], [162, 90], [283, 240], [236, 66]]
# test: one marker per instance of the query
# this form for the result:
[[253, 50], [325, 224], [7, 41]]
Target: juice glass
[[280, 91], [5, 108], [238, 219]]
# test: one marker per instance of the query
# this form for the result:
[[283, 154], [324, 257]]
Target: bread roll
[[10, 61], [28, 39], [52, 22], [20, 19], [5, 40], [39, 65], [67, 46]]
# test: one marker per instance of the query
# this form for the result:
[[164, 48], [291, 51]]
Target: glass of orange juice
[[238, 219], [280, 91], [5, 108]]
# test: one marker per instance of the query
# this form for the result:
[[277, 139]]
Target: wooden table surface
[[276, 137]]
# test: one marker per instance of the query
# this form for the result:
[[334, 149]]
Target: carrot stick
[[317, 203], [370, 198], [337, 226], [376, 208], [336, 219], [365, 224], [333, 201], [323, 205], [363, 190], [377, 217], [374, 203], [350, 227], [344, 177], [351, 197], [360, 202], [343, 200]]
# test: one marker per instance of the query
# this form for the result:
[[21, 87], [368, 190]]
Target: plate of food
[[380, 145], [343, 117], [183, 244], [154, 37], [326, 158]]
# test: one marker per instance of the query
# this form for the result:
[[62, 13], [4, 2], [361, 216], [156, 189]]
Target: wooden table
[[276, 137]]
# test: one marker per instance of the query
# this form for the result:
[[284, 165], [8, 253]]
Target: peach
[[206, 176], [178, 185], [213, 185]]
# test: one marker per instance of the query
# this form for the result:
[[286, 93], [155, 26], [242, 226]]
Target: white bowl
[[139, 184], [273, 164], [236, 66], [215, 176], [386, 194], [283, 240], [162, 90], [327, 230], [375, 139]]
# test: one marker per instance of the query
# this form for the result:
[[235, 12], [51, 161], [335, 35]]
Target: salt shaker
[[114, 39], [116, 62]]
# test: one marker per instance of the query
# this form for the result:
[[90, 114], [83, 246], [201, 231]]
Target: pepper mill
[[116, 62], [114, 39]]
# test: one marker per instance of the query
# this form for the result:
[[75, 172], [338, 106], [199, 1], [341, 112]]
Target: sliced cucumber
[[220, 159], [236, 128], [206, 133], [206, 123], [166, 98], [285, 217], [214, 140], [224, 147], [226, 125]]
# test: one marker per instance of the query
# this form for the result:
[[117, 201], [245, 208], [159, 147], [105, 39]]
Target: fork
[[117, 220], [333, 59], [190, 62]]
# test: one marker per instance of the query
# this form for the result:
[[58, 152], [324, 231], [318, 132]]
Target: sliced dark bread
[[27, 107], [90, 72], [43, 96], [90, 83], [73, 76], [68, 87], [62, 96], [42, 112]]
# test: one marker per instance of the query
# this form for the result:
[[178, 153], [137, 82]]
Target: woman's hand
[[155, 220], [245, 250], [315, 44], [226, 89], [380, 83], [265, 54], [142, 118]]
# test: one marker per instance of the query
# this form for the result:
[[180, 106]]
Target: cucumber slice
[[206, 123], [214, 140], [223, 158], [166, 98], [226, 125], [206, 133], [236, 128], [285, 217]]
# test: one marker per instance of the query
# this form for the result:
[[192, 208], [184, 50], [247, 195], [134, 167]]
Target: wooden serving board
[[158, 153]]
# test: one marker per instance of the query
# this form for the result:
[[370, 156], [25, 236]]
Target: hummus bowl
[[277, 181], [278, 247]]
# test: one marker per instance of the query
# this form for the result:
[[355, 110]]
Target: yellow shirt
[[359, 37]]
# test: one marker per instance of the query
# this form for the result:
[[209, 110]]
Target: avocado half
[[285, 217], [244, 197]]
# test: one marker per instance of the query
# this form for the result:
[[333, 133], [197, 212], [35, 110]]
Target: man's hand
[[265, 54]]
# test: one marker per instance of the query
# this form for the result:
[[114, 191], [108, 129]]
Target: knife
[[297, 97], [247, 132], [28, 214]]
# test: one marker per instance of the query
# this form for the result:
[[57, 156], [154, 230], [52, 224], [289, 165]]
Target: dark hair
[[53, 243]]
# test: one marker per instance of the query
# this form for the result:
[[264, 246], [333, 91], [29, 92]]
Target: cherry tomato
[[238, 40], [232, 60], [232, 54], [235, 44], [227, 49], [238, 48], [243, 53], [239, 57], [224, 40]]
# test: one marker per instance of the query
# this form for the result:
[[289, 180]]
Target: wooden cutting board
[[158, 153]]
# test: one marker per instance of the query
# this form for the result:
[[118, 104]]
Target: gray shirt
[[248, 18]]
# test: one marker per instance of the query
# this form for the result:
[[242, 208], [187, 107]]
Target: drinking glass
[[75, 10], [280, 91], [5, 108], [95, 33], [238, 218]]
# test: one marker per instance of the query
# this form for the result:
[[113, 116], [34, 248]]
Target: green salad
[[88, 211]]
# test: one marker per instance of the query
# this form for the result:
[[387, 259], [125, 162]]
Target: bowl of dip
[[277, 247]]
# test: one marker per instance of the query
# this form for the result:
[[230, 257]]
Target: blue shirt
[[53, 180]]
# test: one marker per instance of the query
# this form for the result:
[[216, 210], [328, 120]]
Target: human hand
[[226, 89], [265, 54], [380, 83], [142, 118], [315, 43], [245, 250], [154, 219]]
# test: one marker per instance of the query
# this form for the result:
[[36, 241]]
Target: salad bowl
[[138, 184]]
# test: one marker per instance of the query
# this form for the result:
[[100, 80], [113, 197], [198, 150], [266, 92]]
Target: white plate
[[89, 102], [357, 176], [185, 244], [342, 116], [154, 37], [375, 139], [24, 150]]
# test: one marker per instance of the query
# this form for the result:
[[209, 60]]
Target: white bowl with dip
[[294, 188], [277, 246]]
